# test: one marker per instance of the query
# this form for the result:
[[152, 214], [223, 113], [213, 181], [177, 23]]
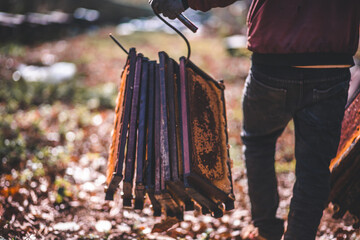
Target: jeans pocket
[[265, 99], [320, 94], [329, 104]]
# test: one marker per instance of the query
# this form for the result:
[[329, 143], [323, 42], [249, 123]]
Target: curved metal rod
[[179, 33], [171, 26], [117, 42]]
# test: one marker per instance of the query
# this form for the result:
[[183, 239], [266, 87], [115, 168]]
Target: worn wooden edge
[[178, 121], [206, 203], [164, 130], [150, 168], [199, 71], [117, 175], [171, 95], [132, 135], [168, 203], [206, 188], [113, 149], [127, 112], [140, 192], [185, 128], [178, 191], [343, 181], [157, 182], [143, 111], [229, 205], [111, 189], [156, 207], [341, 158], [127, 194]]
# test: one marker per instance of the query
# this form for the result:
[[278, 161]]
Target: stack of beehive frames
[[170, 138], [345, 167]]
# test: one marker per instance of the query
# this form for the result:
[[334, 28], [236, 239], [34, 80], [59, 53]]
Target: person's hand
[[169, 8]]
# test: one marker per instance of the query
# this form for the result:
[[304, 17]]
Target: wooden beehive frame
[[161, 137], [345, 167]]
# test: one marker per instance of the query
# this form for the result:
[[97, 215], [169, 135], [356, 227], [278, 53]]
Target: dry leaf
[[165, 224]]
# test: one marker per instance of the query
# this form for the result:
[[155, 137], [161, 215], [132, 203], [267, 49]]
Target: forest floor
[[54, 141]]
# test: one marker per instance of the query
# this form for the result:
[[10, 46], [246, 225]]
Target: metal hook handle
[[179, 33], [172, 27], [187, 23]]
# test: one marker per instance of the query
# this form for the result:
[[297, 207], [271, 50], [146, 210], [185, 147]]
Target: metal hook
[[168, 24], [178, 32]]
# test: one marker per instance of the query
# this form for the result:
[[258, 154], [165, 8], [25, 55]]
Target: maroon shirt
[[301, 32]]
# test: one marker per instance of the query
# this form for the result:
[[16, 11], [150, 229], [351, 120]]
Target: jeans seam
[[301, 94], [305, 81], [312, 80]]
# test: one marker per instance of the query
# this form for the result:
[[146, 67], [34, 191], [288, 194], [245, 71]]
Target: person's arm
[[206, 5], [169, 8], [172, 8]]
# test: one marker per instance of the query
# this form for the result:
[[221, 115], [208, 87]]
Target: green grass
[[13, 49], [22, 95], [285, 167]]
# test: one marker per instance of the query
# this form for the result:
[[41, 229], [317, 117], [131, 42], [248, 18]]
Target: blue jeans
[[315, 100]]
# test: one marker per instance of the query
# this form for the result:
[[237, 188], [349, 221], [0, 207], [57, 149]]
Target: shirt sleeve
[[206, 5]]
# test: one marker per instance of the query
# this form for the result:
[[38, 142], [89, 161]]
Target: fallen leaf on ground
[[165, 224]]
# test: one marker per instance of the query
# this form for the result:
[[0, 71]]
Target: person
[[301, 54]]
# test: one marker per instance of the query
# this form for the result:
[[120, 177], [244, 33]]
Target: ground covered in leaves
[[54, 140]]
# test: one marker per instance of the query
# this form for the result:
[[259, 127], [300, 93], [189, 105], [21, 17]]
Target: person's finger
[[170, 15], [155, 6]]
